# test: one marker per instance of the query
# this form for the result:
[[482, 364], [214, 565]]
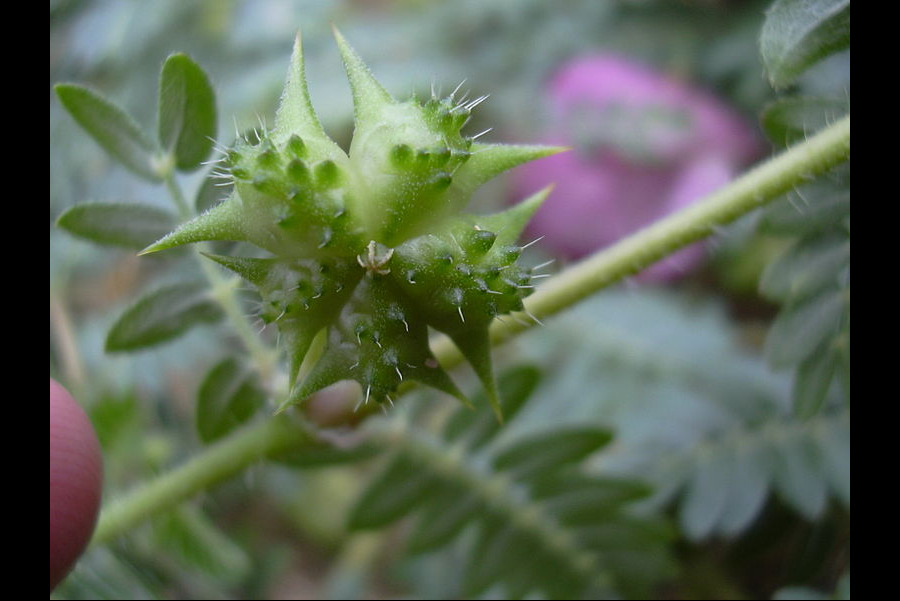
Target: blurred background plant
[[693, 427]]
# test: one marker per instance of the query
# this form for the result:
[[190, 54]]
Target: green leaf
[[538, 453], [162, 315], [707, 493], [800, 329], [834, 444], [443, 519], [499, 549], [749, 488], [577, 500], [195, 542], [392, 494], [325, 454], [117, 224], [515, 385], [799, 475], [812, 381], [790, 120], [111, 127], [810, 209], [806, 268], [229, 396], [187, 112], [799, 33]]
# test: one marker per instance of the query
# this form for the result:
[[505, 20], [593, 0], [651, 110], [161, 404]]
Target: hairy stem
[[766, 182], [215, 464]]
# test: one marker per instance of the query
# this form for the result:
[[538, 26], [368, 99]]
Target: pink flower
[[644, 145]]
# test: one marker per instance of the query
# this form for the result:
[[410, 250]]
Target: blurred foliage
[[728, 488]]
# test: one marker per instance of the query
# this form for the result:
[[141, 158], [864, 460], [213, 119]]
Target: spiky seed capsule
[[373, 245]]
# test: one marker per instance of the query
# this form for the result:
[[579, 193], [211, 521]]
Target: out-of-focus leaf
[[816, 207], [535, 454], [325, 454], [111, 127], [751, 474], [834, 442], [707, 494], [443, 519], [812, 381], [578, 500], [499, 549], [187, 112], [229, 396], [799, 475], [196, 542], [515, 386], [790, 120], [162, 315], [798, 593], [117, 224], [806, 268], [392, 494], [800, 330], [798, 33]]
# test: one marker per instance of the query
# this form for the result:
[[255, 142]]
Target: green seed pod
[[372, 245]]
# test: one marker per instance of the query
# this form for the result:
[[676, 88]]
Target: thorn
[[459, 309], [355, 365], [237, 132], [535, 241], [477, 101], [368, 389], [544, 264], [405, 324], [262, 125], [390, 400], [397, 369], [541, 275], [456, 89], [487, 131], [536, 320]]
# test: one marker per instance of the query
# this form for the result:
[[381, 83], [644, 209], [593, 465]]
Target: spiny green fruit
[[372, 245]]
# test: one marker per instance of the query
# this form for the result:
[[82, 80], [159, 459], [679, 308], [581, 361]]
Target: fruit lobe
[[372, 245]]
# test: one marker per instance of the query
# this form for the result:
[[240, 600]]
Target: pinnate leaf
[[187, 112], [162, 315], [229, 395], [111, 127], [117, 224], [799, 33]]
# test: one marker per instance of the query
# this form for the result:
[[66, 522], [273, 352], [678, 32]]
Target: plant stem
[[766, 182], [215, 464], [263, 357]]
